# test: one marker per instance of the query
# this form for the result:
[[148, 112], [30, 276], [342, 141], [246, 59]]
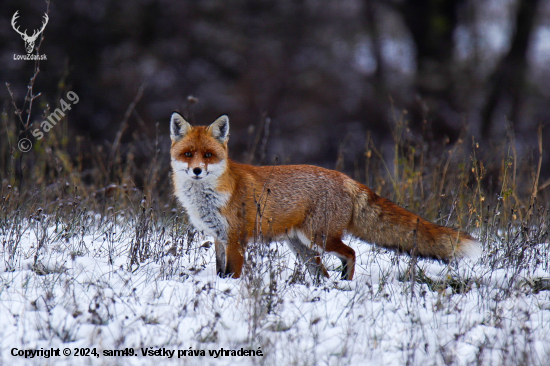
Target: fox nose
[[197, 171]]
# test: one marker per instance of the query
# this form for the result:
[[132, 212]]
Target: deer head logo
[[29, 40]]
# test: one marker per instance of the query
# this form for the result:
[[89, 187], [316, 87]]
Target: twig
[[123, 127], [544, 185], [536, 184], [30, 96]]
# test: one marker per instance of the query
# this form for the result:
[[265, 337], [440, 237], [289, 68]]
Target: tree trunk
[[508, 78]]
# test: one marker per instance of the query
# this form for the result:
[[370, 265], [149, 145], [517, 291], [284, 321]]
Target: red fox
[[309, 207]]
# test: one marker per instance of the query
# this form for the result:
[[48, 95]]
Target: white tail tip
[[470, 249]]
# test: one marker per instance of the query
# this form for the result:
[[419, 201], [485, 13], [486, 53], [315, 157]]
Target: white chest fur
[[203, 203]]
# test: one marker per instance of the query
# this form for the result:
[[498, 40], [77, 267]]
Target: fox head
[[198, 153]]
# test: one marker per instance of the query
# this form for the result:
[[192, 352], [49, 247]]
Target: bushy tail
[[379, 221]]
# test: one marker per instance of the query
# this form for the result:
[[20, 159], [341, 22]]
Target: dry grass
[[68, 189]]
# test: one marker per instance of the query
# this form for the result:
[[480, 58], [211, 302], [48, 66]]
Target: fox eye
[[188, 154], [208, 155]]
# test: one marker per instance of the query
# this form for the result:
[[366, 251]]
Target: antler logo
[[29, 40]]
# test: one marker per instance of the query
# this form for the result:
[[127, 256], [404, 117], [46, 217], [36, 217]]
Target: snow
[[85, 294]]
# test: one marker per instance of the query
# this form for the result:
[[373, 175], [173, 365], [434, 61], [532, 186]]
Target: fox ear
[[220, 129], [179, 127]]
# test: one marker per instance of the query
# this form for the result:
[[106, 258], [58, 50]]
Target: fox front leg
[[229, 259], [220, 258], [234, 259]]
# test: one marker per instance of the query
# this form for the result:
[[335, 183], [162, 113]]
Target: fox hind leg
[[310, 257], [335, 246]]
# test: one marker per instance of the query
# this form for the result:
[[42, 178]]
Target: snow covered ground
[[81, 293]]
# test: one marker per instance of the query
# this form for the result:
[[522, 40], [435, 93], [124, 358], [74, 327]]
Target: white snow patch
[[87, 296]]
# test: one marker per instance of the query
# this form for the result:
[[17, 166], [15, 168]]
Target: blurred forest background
[[307, 81]]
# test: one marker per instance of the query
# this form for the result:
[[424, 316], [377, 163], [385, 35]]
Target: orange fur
[[310, 207]]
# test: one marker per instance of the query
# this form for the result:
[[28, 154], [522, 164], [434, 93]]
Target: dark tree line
[[326, 73]]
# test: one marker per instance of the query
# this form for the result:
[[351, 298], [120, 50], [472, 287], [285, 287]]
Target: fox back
[[309, 207]]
